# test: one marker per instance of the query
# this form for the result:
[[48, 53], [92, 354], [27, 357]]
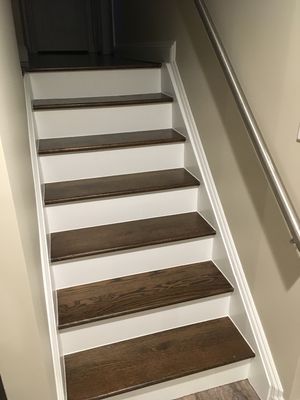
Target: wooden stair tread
[[119, 185], [100, 300], [241, 390], [102, 101], [82, 62], [108, 141], [121, 367], [95, 240]]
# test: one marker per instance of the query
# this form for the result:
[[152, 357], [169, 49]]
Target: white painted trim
[[149, 51], [50, 298], [275, 387]]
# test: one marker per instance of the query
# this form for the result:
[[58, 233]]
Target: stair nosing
[[32, 70], [120, 193], [163, 380], [195, 217], [106, 147], [42, 105], [209, 232], [245, 354], [88, 149], [148, 307], [124, 248], [85, 322]]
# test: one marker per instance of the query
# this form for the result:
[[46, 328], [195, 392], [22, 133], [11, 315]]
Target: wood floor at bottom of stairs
[[234, 391]]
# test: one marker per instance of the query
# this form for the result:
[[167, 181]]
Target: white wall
[[25, 363]]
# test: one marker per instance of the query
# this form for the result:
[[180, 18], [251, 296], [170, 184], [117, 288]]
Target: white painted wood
[[191, 384], [64, 84], [93, 121], [111, 162], [262, 373], [48, 282], [144, 323], [190, 160], [127, 208], [114, 265]]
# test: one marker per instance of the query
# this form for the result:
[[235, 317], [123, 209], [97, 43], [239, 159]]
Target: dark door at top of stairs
[[67, 26]]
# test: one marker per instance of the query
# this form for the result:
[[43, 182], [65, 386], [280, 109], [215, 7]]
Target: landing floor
[[75, 61]]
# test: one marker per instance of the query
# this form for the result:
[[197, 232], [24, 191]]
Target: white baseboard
[[149, 51], [57, 359], [269, 385]]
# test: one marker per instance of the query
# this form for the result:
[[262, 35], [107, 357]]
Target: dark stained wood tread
[[95, 240], [108, 141], [120, 185], [96, 301], [103, 101], [82, 62], [128, 65], [241, 390], [125, 366]]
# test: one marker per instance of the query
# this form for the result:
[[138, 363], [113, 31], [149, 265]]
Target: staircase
[[141, 307]]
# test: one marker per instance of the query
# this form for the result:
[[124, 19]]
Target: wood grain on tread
[[108, 141], [103, 101], [121, 367], [241, 390], [119, 185], [129, 294], [95, 240]]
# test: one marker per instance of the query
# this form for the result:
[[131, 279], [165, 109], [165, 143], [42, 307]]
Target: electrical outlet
[[298, 134]]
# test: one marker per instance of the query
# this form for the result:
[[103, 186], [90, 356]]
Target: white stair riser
[[195, 383], [135, 325], [102, 120], [114, 265], [48, 85], [111, 162], [120, 209]]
